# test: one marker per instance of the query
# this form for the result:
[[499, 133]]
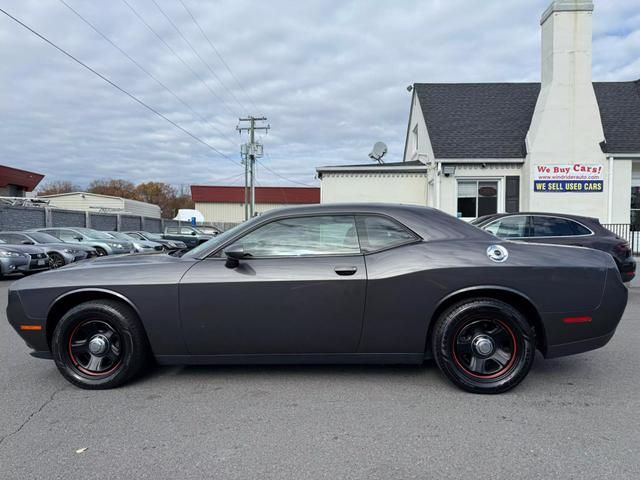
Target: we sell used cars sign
[[576, 177]]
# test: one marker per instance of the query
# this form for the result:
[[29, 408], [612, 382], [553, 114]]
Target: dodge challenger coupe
[[349, 283]]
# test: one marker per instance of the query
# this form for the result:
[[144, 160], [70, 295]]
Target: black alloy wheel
[[484, 345], [95, 347], [56, 260], [100, 344], [100, 251]]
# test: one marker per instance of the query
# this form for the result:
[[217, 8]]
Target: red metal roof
[[21, 178], [285, 195]]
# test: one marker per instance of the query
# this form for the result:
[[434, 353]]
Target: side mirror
[[79, 238], [27, 242], [193, 233], [234, 254]]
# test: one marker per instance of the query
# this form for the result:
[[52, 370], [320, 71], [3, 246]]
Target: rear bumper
[[628, 269], [572, 332]]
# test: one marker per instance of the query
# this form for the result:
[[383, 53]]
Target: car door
[[300, 290]]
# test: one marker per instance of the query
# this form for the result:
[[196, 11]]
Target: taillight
[[622, 249]]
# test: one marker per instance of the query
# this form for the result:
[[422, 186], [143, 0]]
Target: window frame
[[218, 253], [360, 226], [528, 225], [500, 191], [531, 227]]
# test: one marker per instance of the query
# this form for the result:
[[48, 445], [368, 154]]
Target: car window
[[14, 238], [172, 229], [509, 227], [135, 235], [322, 235], [555, 227], [67, 235], [186, 231], [377, 233]]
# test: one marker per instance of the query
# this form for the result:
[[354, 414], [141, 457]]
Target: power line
[[281, 176], [206, 64], [118, 87], [146, 72], [175, 54], [218, 54]]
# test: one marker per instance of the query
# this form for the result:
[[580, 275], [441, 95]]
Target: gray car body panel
[[286, 310]]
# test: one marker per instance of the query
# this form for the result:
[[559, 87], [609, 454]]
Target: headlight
[[68, 250], [115, 245], [9, 254]]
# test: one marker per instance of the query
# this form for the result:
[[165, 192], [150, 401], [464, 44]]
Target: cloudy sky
[[330, 76]]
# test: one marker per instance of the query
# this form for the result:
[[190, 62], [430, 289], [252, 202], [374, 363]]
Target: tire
[[484, 345], [56, 260], [100, 251], [125, 345]]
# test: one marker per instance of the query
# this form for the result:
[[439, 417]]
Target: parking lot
[[574, 417]]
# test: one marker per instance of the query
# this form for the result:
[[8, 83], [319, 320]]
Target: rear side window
[[557, 227], [509, 227], [379, 233]]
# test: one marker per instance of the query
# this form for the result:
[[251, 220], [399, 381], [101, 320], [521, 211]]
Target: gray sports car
[[351, 283]]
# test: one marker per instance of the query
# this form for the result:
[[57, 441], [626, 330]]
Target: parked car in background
[[169, 245], [102, 242], [352, 283], [209, 230], [37, 259], [140, 246], [12, 261], [561, 229], [60, 253], [191, 236]]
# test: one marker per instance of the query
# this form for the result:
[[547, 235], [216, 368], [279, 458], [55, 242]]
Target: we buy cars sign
[[575, 177]]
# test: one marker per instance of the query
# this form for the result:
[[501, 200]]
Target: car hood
[[29, 249], [62, 246]]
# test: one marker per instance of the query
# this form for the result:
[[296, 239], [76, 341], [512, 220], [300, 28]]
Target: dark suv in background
[[561, 229]]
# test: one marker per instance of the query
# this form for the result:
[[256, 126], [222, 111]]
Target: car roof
[[542, 214]]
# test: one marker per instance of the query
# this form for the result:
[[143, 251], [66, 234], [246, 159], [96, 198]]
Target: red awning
[[20, 178]]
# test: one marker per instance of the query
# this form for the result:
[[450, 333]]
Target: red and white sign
[[575, 177]]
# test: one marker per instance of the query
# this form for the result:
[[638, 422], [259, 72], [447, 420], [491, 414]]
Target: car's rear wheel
[[100, 251], [56, 260], [99, 344], [484, 345]]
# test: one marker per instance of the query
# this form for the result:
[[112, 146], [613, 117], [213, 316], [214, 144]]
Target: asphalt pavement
[[574, 417]]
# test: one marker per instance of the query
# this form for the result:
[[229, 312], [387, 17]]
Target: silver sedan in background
[[140, 246], [60, 253]]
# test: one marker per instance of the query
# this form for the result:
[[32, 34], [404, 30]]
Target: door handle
[[344, 271]]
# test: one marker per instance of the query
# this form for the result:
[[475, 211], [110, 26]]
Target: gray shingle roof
[[619, 104], [491, 120]]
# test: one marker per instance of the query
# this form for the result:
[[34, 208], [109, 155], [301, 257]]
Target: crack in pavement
[[32, 414]]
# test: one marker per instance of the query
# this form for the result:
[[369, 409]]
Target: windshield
[[154, 236], [41, 237], [120, 235], [218, 239], [95, 234]]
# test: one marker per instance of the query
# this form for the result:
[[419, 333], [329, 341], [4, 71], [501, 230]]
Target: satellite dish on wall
[[379, 150]]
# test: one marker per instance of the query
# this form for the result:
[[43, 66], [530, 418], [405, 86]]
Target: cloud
[[329, 75]]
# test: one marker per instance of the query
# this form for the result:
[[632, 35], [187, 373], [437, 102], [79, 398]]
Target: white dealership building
[[566, 144]]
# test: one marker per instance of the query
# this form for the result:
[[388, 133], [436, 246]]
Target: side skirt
[[294, 359]]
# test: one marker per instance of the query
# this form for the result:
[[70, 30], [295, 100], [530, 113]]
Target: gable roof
[[620, 112], [491, 120], [227, 194]]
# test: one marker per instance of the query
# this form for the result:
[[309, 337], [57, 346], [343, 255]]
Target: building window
[[415, 138], [477, 198]]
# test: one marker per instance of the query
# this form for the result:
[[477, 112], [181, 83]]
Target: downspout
[[438, 168], [610, 202]]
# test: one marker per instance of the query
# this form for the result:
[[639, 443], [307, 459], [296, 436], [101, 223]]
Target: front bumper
[[35, 339], [36, 264], [13, 264]]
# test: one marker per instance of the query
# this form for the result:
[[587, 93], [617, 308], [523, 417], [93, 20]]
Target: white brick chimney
[[566, 127]]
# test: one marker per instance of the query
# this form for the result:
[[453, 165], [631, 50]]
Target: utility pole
[[250, 151]]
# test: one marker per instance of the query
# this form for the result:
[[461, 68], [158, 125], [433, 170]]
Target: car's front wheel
[[56, 260], [484, 345], [99, 344]]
